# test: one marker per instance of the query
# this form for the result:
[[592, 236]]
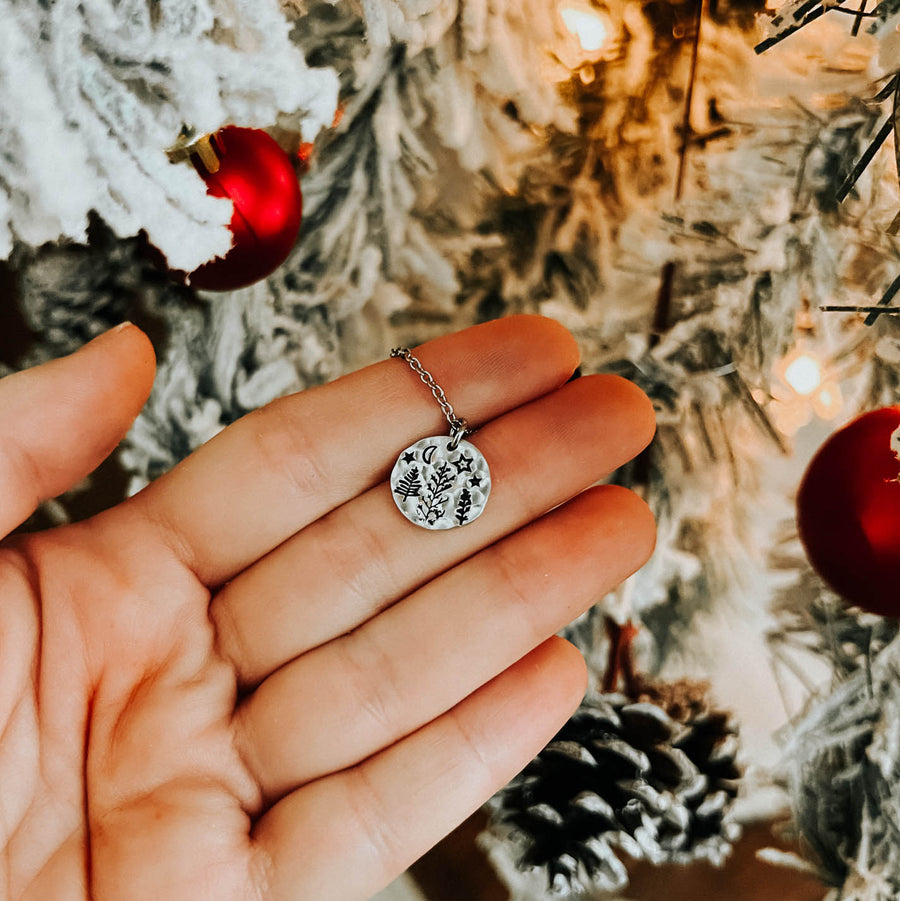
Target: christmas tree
[[685, 184]]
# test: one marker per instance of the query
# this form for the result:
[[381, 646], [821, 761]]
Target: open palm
[[255, 679]]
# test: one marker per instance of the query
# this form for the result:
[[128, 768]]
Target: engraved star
[[409, 457], [463, 464], [475, 482]]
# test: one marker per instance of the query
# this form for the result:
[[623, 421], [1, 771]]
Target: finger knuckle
[[372, 681], [388, 846], [287, 446]]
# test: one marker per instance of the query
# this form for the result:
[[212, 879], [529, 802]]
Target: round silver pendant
[[439, 488]]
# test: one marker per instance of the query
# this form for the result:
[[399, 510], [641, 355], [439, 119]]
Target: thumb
[[59, 421]]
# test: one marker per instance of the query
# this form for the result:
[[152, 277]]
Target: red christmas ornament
[[248, 167], [848, 511]]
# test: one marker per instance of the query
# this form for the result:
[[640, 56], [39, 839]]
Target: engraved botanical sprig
[[431, 507]]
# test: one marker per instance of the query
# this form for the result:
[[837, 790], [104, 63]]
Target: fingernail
[[109, 332], [116, 329]]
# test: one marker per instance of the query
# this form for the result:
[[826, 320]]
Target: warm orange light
[[828, 400], [803, 373], [805, 387], [590, 26]]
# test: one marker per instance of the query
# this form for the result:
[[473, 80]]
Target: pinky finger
[[347, 835]]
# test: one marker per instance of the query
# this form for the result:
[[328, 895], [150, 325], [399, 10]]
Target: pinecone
[[625, 776]]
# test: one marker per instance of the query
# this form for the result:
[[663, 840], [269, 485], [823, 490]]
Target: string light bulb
[[589, 26], [806, 388], [828, 401], [587, 31], [802, 371]]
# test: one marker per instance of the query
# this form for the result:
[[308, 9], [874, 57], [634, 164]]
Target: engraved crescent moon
[[428, 453]]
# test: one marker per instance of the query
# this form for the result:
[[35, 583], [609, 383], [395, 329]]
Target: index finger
[[60, 420], [282, 467]]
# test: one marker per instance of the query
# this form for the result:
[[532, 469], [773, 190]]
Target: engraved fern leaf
[[410, 485]]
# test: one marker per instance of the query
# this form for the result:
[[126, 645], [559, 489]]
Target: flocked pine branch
[[791, 18], [797, 14], [813, 623], [843, 770], [92, 94], [744, 261], [426, 135]]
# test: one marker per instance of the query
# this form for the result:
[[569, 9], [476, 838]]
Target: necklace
[[440, 482]]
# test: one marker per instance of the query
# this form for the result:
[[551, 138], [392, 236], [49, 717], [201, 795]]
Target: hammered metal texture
[[439, 488]]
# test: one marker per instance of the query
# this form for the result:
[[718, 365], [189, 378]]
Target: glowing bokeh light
[[829, 401], [590, 27], [804, 374]]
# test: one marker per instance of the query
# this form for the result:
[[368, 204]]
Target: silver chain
[[459, 428]]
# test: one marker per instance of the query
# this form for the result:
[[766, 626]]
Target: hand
[[255, 679]]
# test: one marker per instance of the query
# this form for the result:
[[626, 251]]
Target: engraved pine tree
[[431, 505], [410, 485], [463, 506]]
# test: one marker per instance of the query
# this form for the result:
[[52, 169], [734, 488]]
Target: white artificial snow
[[93, 92]]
